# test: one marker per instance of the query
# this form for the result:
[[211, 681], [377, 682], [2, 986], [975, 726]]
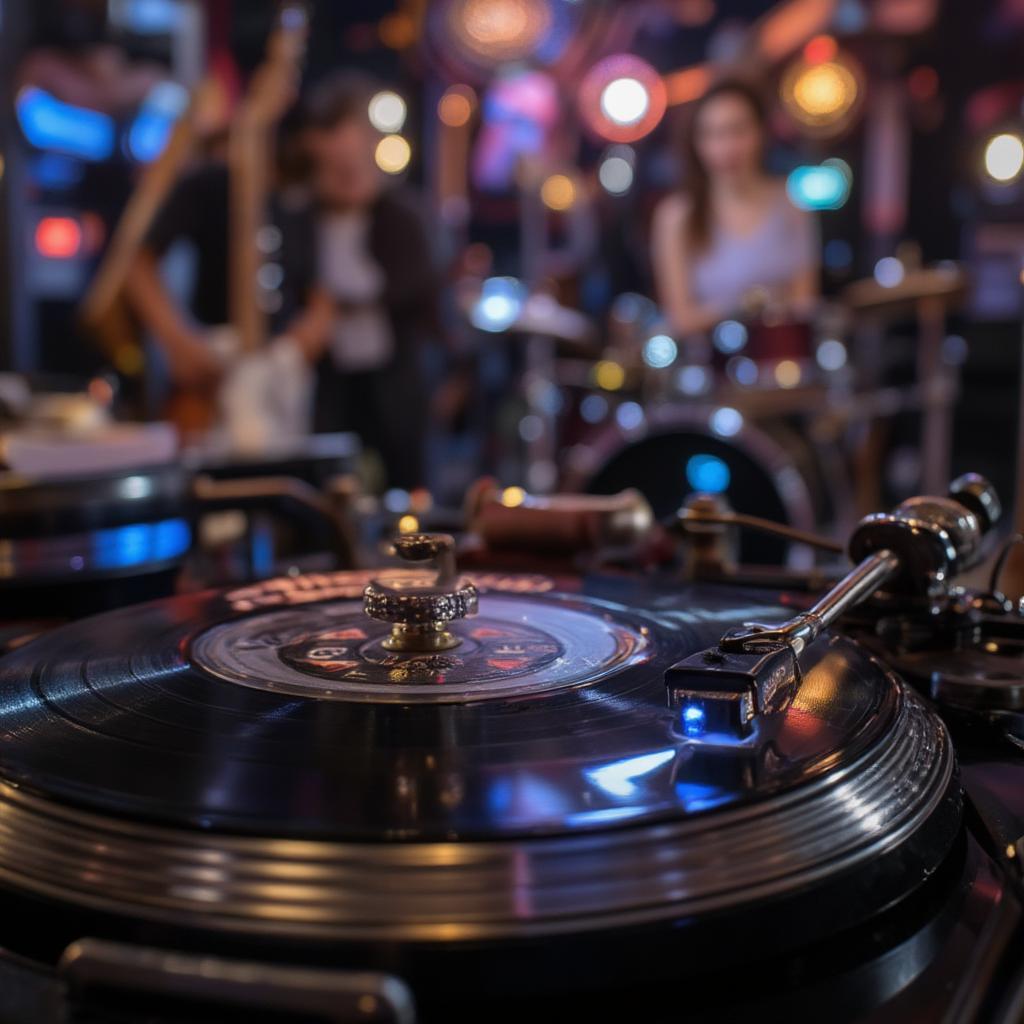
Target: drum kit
[[779, 415]]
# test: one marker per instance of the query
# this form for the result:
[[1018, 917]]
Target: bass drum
[[763, 468]]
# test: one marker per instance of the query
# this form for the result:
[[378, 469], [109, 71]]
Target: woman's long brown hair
[[696, 183]]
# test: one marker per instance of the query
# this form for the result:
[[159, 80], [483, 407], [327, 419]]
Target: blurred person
[[376, 263], [730, 238]]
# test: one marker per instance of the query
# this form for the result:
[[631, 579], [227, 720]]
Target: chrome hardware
[[420, 606], [914, 550]]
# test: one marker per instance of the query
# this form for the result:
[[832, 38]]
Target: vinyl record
[[258, 760]]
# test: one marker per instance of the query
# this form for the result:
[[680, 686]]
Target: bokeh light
[[787, 373], [1004, 157], [387, 111], [889, 272], [622, 98], [821, 96], [609, 375], [615, 172], [819, 186], [499, 304], [558, 192], [660, 351], [455, 107], [499, 30], [393, 154], [707, 473]]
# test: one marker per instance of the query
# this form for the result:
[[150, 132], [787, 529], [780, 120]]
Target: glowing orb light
[[558, 192], [393, 154], [660, 351], [889, 272], [609, 375], [387, 112], [819, 186], [499, 30], [622, 98], [1004, 157], [822, 95], [499, 305], [455, 107], [615, 172]]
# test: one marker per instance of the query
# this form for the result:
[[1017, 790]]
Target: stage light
[[499, 305], [729, 336], [58, 238], [609, 375], [499, 30], [151, 130], [726, 421], [48, 123], [455, 107], [622, 98], [393, 154], [831, 354], [615, 172], [707, 473], [821, 96], [1004, 157], [818, 187], [624, 101], [660, 351], [558, 192], [387, 112], [513, 497], [889, 272], [629, 415], [787, 373]]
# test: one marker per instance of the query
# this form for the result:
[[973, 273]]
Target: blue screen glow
[[121, 547], [50, 124]]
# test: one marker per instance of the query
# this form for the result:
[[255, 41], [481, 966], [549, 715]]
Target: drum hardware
[[419, 608], [558, 524]]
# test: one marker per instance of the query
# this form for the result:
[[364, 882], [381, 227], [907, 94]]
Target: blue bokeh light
[[708, 473], [48, 123]]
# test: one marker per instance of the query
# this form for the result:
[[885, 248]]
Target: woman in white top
[[731, 231]]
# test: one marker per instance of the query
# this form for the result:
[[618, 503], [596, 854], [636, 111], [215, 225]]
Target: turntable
[[343, 795]]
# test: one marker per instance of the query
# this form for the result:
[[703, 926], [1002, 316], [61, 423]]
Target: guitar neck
[[248, 160]]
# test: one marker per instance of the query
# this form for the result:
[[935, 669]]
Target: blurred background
[[521, 289]]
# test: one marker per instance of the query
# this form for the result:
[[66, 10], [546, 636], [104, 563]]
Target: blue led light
[[708, 473], [50, 124], [151, 130], [819, 187], [694, 719], [122, 547], [500, 302]]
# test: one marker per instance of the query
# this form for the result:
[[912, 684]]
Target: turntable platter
[[259, 760]]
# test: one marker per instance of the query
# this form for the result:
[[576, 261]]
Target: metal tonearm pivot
[[914, 551]]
